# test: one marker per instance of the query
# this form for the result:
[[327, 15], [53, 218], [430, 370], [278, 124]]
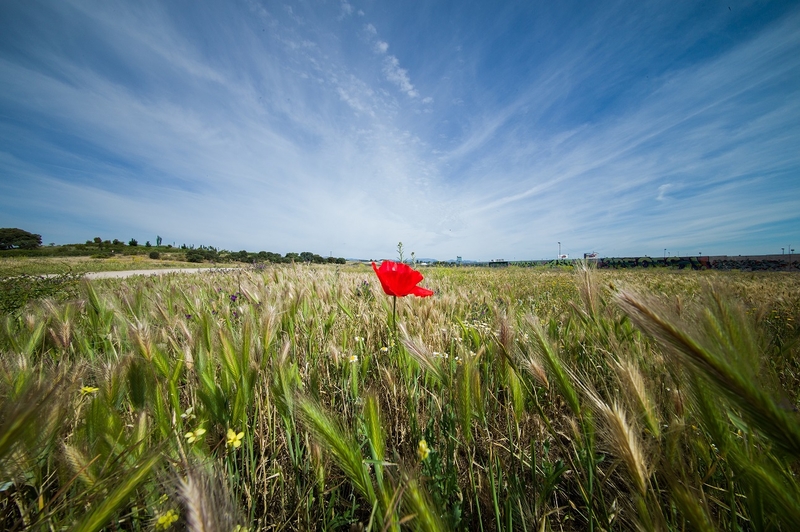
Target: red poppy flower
[[398, 279]]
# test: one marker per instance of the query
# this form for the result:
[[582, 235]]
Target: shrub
[[199, 255], [155, 255]]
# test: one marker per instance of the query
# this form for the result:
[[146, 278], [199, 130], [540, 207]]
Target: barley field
[[287, 398]]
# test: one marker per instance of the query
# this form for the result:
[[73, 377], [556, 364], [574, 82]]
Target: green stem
[[394, 316]]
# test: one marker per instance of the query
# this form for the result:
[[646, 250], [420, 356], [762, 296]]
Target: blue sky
[[459, 128]]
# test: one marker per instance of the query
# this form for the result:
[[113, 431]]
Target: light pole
[[559, 251]]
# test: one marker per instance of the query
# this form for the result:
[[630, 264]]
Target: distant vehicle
[[564, 256], [592, 255]]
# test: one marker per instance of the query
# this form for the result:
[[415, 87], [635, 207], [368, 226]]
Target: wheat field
[[284, 398]]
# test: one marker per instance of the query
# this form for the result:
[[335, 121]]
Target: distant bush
[[199, 255], [155, 255]]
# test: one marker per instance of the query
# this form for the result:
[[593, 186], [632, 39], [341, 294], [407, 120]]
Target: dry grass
[[547, 400]]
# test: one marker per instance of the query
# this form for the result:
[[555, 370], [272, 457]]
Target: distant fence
[[719, 262]]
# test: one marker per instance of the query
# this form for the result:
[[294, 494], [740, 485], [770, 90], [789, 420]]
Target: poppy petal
[[422, 292]]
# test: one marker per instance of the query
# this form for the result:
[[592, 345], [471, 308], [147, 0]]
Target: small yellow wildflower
[[384, 349], [353, 358], [166, 519], [422, 450], [89, 390], [234, 439], [192, 437]]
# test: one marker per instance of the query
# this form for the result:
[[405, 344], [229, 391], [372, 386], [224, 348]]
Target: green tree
[[307, 256], [133, 242], [14, 238]]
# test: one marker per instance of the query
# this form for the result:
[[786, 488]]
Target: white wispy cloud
[[603, 177], [346, 9], [399, 76], [391, 65]]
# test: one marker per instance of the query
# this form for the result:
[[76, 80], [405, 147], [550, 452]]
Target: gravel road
[[130, 273]]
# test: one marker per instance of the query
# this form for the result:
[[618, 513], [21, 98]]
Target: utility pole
[[559, 251]]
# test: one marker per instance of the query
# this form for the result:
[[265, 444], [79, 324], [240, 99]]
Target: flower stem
[[394, 316]]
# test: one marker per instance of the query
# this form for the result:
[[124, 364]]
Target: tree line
[[26, 243]]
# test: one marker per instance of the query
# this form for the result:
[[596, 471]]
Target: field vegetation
[[16, 266], [280, 398]]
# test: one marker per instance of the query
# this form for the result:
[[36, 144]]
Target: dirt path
[[130, 273]]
